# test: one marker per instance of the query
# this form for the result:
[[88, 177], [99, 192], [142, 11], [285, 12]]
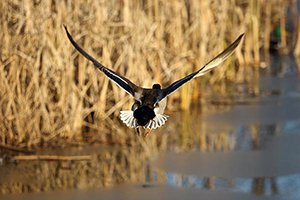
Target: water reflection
[[283, 185], [135, 192], [108, 167]]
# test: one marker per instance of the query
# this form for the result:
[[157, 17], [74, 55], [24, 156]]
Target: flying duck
[[148, 108]]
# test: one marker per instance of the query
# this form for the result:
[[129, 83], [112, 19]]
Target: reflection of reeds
[[48, 91], [106, 168]]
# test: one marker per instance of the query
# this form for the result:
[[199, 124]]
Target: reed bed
[[48, 92]]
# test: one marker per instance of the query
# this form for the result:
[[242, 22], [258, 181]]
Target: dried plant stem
[[297, 47], [17, 149], [51, 157]]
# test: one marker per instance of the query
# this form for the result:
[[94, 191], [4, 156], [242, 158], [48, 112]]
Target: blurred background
[[54, 103]]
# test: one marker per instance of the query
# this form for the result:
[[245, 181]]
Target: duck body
[[146, 111]]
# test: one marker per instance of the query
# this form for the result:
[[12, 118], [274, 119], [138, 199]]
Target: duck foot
[[148, 132]]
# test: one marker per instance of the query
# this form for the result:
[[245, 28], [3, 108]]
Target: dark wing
[[121, 81], [206, 68]]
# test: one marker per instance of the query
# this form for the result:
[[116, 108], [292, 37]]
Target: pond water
[[242, 144]]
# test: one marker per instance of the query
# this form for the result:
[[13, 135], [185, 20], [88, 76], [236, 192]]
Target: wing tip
[[242, 35], [69, 35], [238, 40]]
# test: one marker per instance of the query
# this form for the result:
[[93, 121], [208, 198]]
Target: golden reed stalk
[[48, 91]]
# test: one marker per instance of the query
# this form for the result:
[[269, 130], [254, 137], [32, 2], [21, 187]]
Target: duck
[[149, 104], [275, 39]]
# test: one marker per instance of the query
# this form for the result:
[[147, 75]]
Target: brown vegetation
[[49, 91]]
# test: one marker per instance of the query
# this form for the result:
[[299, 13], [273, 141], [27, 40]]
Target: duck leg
[[148, 132], [138, 131]]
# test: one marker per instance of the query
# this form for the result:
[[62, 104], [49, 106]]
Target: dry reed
[[49, 91]]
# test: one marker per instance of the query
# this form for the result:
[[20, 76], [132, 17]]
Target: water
[[242, 144]]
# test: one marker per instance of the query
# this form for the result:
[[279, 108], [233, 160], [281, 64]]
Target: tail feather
[[128, 118], [157, 121]]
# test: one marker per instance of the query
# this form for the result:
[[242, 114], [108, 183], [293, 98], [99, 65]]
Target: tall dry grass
[[49, 91]]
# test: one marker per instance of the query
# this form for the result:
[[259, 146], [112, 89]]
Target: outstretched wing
[[121, 81], [206, 68]]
